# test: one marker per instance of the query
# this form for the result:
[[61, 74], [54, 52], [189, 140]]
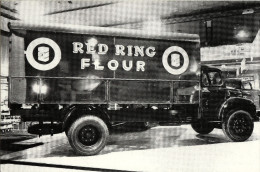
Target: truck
[[82, 80]]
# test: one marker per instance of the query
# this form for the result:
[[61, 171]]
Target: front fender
[[237, 103]]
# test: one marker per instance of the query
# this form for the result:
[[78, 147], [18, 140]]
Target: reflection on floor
[[157, 149], [121, 139]]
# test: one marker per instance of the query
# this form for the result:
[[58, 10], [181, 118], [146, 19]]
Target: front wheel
[[88, 135], [202, 127], [238, 126]]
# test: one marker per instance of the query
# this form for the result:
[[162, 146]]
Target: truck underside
[[163, 114]]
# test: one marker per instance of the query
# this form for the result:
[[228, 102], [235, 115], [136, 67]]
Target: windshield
[[247, 86], [233, 84]]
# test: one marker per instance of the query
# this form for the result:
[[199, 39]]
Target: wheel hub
[[240, 126], [88, 135]]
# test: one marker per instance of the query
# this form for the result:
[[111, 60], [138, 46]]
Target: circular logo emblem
[[175, 60], [46, 51]]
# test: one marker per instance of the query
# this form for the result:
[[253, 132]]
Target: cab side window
[[215, 79]]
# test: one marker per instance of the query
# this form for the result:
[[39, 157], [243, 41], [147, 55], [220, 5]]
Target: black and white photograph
[[130, 85]]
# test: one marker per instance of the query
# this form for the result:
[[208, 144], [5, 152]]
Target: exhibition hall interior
[[128, 85]]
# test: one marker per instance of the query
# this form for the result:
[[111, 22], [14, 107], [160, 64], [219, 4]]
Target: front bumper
[[258, 114]]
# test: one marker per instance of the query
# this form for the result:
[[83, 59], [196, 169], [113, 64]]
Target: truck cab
[[222, 109]]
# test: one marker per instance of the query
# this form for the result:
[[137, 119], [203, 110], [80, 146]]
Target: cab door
[[213, 94]]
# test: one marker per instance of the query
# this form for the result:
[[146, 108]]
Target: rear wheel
[[202, 127], [88, 135], [238, 126]]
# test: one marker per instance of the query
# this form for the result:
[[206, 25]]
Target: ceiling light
[[248, 11], [242, 34]]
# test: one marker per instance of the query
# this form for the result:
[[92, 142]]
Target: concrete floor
[[157, 149], [11, 141]]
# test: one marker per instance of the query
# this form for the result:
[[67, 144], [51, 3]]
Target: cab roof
[[209, 68]]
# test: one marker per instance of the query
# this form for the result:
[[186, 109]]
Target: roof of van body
[[106, 31]]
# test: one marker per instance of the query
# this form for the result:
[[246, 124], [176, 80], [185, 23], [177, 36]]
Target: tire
[[88, 135], [238, 126], [202, 127]]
